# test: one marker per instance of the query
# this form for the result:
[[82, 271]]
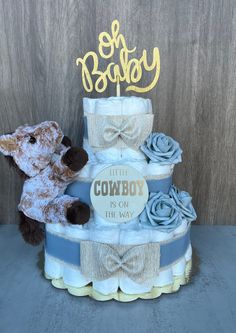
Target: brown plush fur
[[75, 158], [65, 141], [78, 213], [31, 230]]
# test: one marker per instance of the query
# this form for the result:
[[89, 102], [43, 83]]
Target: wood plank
[[194, 101]]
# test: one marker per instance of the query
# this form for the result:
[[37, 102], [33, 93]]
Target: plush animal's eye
[[32, 139]]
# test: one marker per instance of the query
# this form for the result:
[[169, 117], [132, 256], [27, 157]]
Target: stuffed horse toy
[[42, 153]]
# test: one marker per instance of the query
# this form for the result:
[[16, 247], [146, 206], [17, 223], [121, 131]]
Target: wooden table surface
[[28, 302]]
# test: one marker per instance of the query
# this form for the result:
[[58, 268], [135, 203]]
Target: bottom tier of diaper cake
[[123, 262]]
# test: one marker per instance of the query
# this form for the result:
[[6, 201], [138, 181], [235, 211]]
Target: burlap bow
[[132, 262], [101, 261], [109, 131]]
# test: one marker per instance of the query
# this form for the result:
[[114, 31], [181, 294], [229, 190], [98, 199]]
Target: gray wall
[[194, 100]]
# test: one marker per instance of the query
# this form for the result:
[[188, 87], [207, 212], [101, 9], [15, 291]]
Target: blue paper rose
[[161, 212], [184, 201], [162, 149]]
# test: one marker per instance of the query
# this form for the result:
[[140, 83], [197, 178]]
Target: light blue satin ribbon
[[85, 128], [68, 251], [81, 189]]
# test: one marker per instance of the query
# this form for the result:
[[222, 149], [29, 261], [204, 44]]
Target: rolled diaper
[[155, 169], [116, 106], [131, 287], [55, 266], [107, 286], [104, 233]]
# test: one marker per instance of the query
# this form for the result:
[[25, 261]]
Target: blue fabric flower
[[162, 149], [161, 212], [184, 201]]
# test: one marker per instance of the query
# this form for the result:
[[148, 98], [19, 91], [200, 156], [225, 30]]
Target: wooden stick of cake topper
[[129, 70], [118, 86]]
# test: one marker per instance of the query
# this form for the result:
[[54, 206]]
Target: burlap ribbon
[[108, 131], [101, 261]]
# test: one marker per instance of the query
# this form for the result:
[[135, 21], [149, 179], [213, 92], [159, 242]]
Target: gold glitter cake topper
[[129, 70]]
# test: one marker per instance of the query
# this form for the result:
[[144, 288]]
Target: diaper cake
[[136, 243]]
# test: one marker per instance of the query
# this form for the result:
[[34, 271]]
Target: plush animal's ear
[[8, 144], [54, 124], [56, 129]]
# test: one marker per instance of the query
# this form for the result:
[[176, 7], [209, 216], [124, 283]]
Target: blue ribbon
[[62, 248], [69, 251], [81, 189], [85, 127], [172, 251], [162, 185]]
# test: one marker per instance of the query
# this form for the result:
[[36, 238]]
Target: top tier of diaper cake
[[115, 127], [119, 130]]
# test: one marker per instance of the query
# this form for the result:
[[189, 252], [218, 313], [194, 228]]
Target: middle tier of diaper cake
[[146, 251]]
